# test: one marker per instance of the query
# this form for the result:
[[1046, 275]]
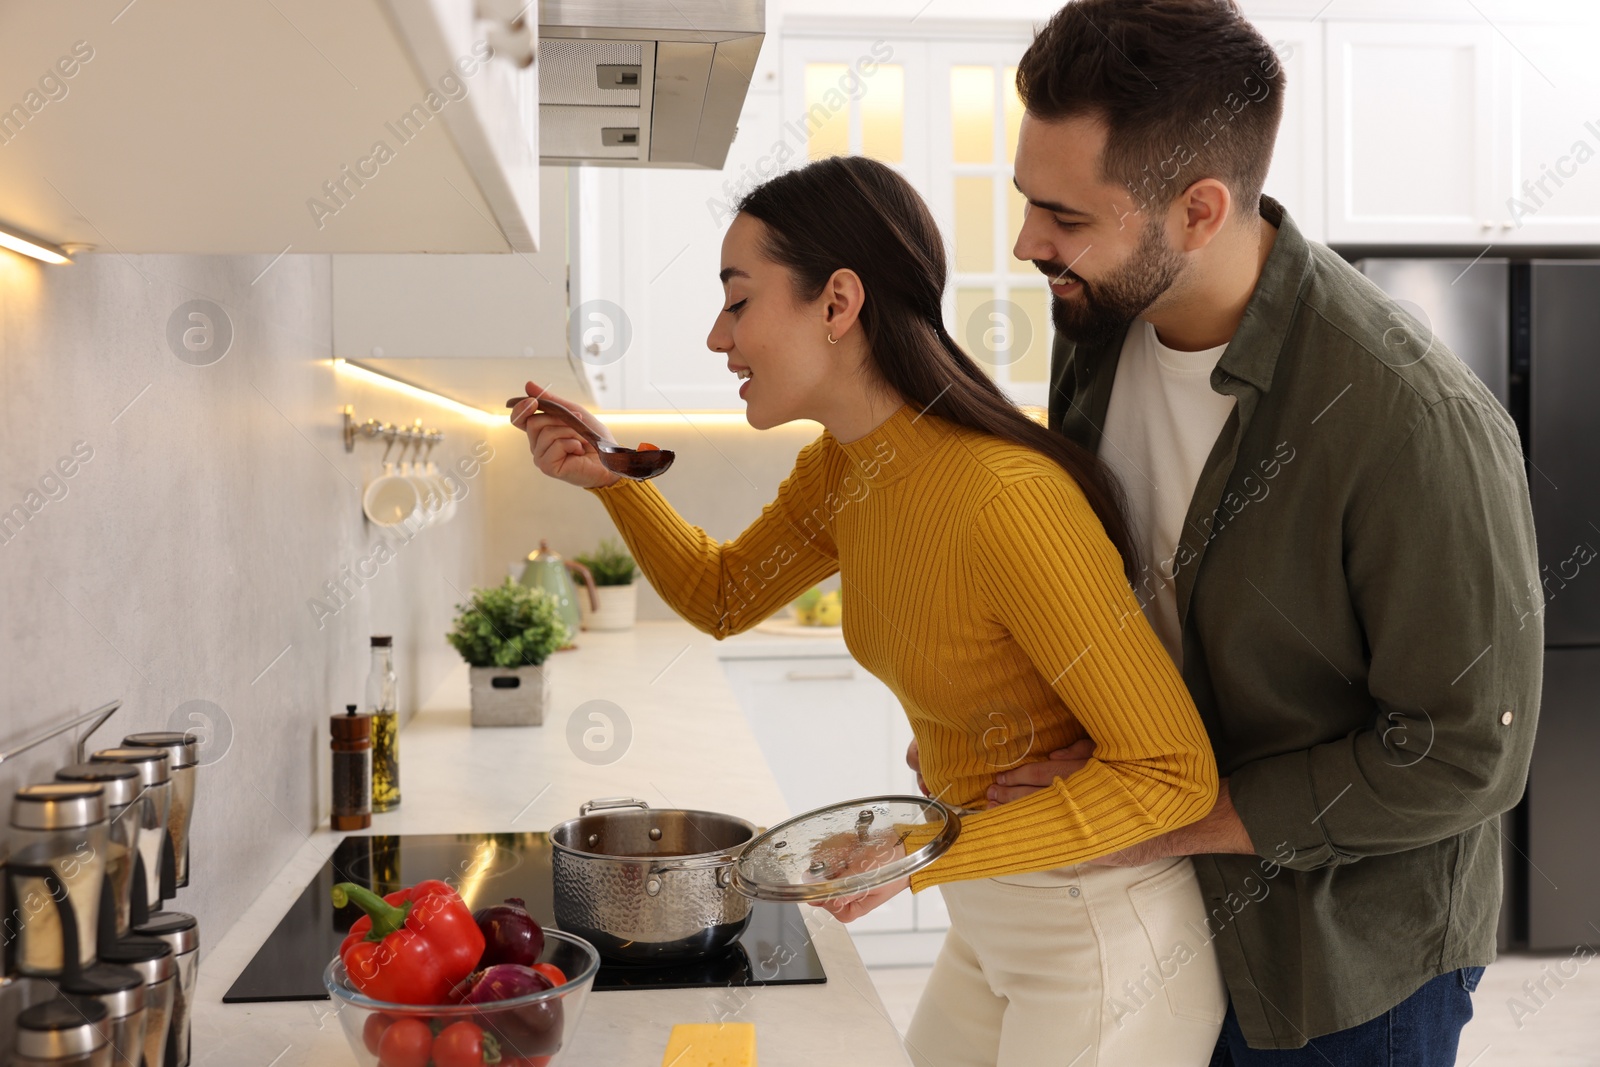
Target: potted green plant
[[614, 571], [505, 633]]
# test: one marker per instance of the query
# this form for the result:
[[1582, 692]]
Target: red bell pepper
[[411, 947]]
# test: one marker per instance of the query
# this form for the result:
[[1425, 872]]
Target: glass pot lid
[[844, 849]]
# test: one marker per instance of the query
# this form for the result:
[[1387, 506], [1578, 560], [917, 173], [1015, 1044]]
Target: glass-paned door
[[859, 96], [997, 306], [945, 114]]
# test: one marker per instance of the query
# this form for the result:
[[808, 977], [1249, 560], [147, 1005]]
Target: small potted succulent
[[614, 571], [505, 633]]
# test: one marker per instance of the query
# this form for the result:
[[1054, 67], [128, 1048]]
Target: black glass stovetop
[[775, 948]]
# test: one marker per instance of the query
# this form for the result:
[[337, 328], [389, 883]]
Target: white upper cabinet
[[645, 262], [471, 327], [1297, 178], [497, 132], [1463, 133], [1412, 132], [1551, 114], [295, 126], [1403, 124]]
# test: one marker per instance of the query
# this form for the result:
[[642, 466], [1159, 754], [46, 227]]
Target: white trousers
[[1082, 966]]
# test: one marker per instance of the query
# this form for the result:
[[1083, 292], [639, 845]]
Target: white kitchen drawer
[[830, 732], [896, 915], [825, 725], [908, 948], [931, 911]]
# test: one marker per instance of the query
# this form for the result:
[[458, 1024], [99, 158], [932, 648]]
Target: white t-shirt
[[1161, 424]]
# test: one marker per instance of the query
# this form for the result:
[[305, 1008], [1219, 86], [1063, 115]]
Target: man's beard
[[1099, 310]]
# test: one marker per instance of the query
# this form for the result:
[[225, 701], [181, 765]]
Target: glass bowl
[[532, 1031]]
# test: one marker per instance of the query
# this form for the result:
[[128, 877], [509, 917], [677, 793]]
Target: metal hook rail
[[412, 436], [98, 715]]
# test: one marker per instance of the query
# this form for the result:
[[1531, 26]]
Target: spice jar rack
[[85, 928]]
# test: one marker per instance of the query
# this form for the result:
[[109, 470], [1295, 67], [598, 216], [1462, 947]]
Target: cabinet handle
[[834, 676]]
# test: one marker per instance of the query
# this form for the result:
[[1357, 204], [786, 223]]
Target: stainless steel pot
[[649, 885]]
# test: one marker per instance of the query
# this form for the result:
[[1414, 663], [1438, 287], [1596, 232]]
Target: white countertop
[[690, 748]]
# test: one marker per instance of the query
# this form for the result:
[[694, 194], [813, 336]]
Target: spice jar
[[56, 869], [351, 741], [383, 704], [63, 1032], [153, 959], [183, 761], [121, 990], [154, 804], [182, 934], [121, 784]]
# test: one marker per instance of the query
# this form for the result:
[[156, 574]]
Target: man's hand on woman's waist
[[1220, 831]]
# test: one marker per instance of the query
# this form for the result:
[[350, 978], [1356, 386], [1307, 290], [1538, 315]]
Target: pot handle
[[698, 863], [610, 802]]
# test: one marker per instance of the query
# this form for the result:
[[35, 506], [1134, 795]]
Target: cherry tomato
[[372, 1030], [552, 972], [406, 1043], [459, 1045], [646, 446]]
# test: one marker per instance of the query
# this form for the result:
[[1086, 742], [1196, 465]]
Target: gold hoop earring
[[831, 341]]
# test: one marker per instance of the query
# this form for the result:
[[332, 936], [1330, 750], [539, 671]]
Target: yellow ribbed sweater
[[979, 585]]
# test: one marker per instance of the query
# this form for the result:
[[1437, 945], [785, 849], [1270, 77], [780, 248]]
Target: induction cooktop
[[775, 948]]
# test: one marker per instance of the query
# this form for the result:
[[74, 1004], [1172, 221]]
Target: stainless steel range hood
[[646, 83]]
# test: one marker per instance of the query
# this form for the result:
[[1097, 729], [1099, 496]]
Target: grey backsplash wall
[[177, 567], [721, 479], [179, 560]]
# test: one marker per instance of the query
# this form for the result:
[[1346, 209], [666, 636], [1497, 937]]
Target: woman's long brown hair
[[854, 212]]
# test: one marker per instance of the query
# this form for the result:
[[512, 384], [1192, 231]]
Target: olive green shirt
[[1362, 632]]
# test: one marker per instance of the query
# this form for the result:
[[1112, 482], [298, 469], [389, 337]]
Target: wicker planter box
[[619, 607]]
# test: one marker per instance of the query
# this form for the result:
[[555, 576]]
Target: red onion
[[503, 981], [527, 1031], [510, 934]]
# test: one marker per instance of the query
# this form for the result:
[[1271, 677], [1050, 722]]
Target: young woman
[[982, 559]]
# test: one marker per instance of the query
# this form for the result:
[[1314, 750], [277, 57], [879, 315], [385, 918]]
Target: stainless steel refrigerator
[[1531, 331]]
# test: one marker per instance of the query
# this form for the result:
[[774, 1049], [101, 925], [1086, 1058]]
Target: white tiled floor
[[1555, 1025]]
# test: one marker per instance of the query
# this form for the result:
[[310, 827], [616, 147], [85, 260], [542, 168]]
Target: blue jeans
[[1420, 1031]]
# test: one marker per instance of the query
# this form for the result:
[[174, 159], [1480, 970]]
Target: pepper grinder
[[351, 741]]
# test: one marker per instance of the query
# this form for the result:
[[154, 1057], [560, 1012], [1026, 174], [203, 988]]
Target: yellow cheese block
[[711, 1045]]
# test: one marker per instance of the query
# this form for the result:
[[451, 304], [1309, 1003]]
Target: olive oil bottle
[[383, 705]]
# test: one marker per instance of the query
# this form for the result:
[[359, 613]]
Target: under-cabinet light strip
[[29, 245]]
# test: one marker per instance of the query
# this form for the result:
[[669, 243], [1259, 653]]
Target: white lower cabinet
[[831, 731]]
